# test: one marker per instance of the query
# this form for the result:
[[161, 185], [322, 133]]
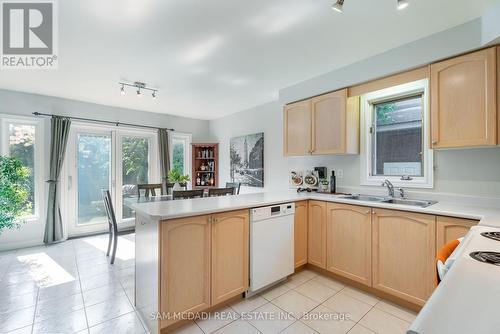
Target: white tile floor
[[71, 288]]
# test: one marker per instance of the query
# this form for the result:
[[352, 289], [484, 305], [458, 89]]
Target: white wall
[[466, 172], [23, 104]]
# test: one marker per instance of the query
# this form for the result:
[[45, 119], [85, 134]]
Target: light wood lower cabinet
[[348, 242], [185, 266], [203, 262], [230, 237], [300, 230], [316, 236], [448, 228], [404, 250]]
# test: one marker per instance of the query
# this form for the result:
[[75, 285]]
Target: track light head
[[154, 94], [402, 4], [338, 6], [139, 93], [122, 90]]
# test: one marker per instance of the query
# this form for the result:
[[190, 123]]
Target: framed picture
[[247, 160]]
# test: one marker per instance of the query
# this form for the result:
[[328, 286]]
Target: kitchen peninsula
[[192, 255]]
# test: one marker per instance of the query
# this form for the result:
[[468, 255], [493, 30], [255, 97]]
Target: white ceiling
[[213, 58]]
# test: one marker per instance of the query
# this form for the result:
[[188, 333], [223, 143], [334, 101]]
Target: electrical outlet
[[340, 173]]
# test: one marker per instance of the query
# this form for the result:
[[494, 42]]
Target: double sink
[[390, 200]]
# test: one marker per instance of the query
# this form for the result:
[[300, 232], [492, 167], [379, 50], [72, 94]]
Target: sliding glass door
[[114, 159]]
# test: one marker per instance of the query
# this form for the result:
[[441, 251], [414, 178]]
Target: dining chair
[[170, 186], [212, 192], [184, 194], [149, 189], [113, 226], [235, 185]]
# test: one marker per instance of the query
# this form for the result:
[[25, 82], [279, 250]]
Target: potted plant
[[174, 176], [14, 185], [324, 185]]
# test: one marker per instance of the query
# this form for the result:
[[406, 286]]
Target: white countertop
[[199, 206], [466, 301]]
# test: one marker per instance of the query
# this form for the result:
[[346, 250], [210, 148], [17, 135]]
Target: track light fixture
[[338, 6], [140, 86], [402, 4]]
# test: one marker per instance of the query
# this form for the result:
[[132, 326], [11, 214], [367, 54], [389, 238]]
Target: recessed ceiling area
[[213, 58]]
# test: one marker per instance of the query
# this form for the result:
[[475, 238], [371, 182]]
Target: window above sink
[[395, 132]]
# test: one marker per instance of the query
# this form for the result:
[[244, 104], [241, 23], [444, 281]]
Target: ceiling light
[[338, 6], [402, 4], [140, 87]]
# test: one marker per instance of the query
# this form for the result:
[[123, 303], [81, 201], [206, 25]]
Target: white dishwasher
[[271, 245]]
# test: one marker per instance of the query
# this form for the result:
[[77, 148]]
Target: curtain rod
[[102, 121]]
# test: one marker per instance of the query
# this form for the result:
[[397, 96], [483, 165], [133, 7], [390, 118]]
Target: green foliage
[[384, 113], [174, 176], [135, 160], [14, 191], [178, 158]]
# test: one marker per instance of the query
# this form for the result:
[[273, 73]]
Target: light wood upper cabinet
[[297, 128], [316, 236], [185, 266], [464, 100], [335, 123], [404, 250], [348, 242], [300, 230], [448, 228], [332, 124], [230, 236]]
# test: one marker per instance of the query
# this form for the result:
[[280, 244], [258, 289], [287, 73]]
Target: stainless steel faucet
[[390, 187]]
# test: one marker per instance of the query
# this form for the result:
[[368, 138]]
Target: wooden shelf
[[197, 162]]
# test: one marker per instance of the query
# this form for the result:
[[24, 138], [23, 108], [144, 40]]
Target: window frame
[[366, 148], [187, 138], [39, 163]]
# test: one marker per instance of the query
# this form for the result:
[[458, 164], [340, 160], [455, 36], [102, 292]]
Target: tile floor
[[301, 305], [71, 288]]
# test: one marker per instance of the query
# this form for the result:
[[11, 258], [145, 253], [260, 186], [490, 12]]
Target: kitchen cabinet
[[204, 261], [300, 232], [464, 100], [185, 266], [297, 128], [348, 242], [326, 124], [449, 228], [335, 124], [230, 237], [404, 250], [316, 236]]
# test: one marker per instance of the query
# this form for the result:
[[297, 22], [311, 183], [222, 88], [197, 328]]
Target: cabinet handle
[[368, 212], [374, 212], [434, 142]]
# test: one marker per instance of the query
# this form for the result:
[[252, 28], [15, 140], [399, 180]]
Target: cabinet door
[[404, 251], [297, 128], [300, 230], [448, 228], [463, 100], [348, 242], [329, 123], [316, 237], [185, 266], [230, 238]]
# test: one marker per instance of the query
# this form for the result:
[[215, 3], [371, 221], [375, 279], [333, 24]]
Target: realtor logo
[[28, 35]]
